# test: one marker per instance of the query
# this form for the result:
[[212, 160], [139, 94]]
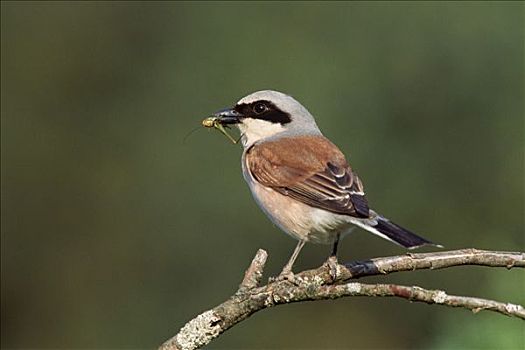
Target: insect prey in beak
[[214, 122]]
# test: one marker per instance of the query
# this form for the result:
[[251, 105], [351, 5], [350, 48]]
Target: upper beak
[[228, 116]]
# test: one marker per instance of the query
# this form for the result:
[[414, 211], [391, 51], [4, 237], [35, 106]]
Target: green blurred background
[[116, 230]]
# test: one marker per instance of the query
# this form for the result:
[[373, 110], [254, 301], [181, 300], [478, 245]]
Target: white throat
[[253, 130]]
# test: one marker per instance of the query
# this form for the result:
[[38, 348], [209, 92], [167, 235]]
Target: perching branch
[[321, 284]]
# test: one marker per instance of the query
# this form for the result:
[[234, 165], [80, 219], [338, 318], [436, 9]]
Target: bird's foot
[[285, 275], [333, 267]]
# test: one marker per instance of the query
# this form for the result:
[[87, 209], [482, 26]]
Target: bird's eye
[[259, 108]]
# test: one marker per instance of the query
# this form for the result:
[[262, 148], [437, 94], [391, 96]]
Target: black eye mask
[[271, 114]]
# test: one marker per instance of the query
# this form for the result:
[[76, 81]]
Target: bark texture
[[327, 282]]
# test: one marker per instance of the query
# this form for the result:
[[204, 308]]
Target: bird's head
[[268, 114]]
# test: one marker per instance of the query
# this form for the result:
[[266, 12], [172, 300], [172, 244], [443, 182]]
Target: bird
[[300, 179]]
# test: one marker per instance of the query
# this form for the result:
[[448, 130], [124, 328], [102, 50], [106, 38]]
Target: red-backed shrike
[[299, 178]]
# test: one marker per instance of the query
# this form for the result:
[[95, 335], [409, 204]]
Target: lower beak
[[228, 116]]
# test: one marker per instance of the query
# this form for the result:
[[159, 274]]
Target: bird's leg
[[332, 259], [287, 273], [334, 247]]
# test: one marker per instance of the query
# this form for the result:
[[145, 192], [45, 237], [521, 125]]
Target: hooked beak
[[228, 116]]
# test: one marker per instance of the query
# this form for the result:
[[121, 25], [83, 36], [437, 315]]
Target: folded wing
[[311, 170]]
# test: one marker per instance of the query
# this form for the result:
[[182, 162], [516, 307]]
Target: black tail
[[400, 235]]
